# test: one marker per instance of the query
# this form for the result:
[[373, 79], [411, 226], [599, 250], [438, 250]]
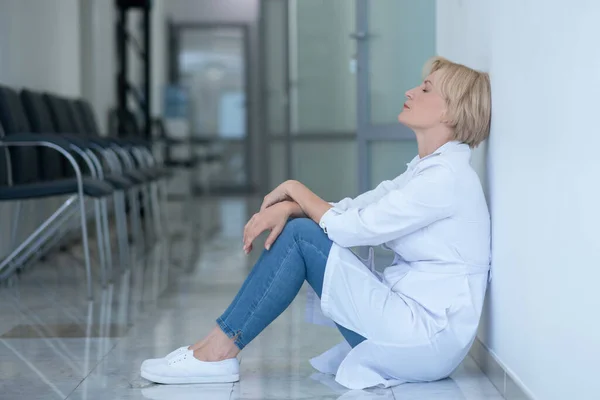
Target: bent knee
[[302, 226]]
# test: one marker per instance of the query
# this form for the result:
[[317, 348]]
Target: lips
[[406, 107]]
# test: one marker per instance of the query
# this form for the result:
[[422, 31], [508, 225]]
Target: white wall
[[39, 45], [541, 315], [100, 65], [463, 35]]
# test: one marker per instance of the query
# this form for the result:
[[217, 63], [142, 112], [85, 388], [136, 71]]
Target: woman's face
[[424, 107]]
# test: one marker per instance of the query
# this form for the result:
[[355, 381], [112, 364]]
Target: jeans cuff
[[231, 333]]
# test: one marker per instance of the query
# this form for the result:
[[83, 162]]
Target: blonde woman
[[415, 321]]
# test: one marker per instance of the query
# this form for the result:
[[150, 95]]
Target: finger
[[248, 227], [248, 237], [248, 249], [272, 237], [253, 232], [258, 228]]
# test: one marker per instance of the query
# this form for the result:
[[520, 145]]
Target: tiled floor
[[68, 348]]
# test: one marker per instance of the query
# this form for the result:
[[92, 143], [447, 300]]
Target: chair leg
[[122, 234], [15, 225], [148, 228], [159, 248], [160, 200], [164, 217], [138, 237], [107, 242], [86, 248], [156, 217], [100, 238]]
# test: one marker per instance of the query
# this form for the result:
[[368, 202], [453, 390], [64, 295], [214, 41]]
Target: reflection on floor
[[55, 345]]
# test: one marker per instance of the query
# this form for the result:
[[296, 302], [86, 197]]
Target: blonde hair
[[468, 94]]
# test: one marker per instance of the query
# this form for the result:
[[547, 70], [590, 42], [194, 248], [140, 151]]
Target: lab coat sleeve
[[364, 199], [426, 198]]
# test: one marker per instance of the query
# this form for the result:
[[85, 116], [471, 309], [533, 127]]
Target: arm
[[426, 198], [366, 198], [295, 211], [309, 203], [304, 203]]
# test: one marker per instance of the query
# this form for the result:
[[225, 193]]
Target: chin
[[402, 118]]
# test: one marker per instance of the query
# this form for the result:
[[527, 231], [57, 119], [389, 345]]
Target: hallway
[[52, 347]]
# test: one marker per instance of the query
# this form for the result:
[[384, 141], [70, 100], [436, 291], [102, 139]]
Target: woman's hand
[[278, 195], [272, 218]]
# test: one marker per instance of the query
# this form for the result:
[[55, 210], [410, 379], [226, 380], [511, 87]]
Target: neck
[[430, 141]]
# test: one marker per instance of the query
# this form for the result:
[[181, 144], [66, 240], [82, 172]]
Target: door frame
[[175, 30]]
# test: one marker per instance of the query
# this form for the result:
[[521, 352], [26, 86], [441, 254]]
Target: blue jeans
[[299, 253]]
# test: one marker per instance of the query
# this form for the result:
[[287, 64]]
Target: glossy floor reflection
[[73, 349]]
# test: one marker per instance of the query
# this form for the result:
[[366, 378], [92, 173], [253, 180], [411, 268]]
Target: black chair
[[137, 154], [21, 179], [138, 148], [39, 113], [120, 161]]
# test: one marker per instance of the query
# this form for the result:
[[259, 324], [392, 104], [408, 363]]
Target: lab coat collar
[[452, 145]]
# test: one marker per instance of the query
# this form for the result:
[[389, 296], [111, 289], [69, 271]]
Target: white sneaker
[[172, 354], [177, 352], [185, 369]]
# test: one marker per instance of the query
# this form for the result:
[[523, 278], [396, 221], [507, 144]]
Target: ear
[[446, 119]]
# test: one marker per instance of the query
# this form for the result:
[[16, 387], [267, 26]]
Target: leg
[[299, 253]]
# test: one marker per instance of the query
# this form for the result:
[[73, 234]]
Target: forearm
[[308, 203], [294, 210]]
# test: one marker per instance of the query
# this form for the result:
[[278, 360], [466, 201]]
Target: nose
[[409, 94]]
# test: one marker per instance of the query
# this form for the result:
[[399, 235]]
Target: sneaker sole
[[184, 380]]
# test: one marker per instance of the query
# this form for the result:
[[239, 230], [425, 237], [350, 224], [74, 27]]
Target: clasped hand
[[274, 212]]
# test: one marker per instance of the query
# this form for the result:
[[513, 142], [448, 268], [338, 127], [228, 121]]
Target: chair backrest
[[37, 112], [24, 160], [60, 114], [77, 118], [53, 163], [130, 126], [88, 115]]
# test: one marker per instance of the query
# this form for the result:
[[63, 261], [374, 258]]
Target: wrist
[[291, 187], [289, 207]]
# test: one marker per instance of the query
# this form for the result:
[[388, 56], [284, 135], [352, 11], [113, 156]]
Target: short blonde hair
[[468, 95]]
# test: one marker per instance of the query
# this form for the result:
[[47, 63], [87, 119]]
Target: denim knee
[[301, 226]]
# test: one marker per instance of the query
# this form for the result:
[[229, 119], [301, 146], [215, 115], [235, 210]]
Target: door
[[394, 40], [212, 68]]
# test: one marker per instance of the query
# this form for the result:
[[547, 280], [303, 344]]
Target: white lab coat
[[420, 315]]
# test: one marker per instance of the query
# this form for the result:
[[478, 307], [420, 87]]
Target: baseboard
[[508, 386]]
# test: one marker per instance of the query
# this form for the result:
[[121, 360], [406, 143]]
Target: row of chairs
[[50, 147]]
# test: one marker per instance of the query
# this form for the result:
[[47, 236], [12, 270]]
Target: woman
[[416, 320]]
